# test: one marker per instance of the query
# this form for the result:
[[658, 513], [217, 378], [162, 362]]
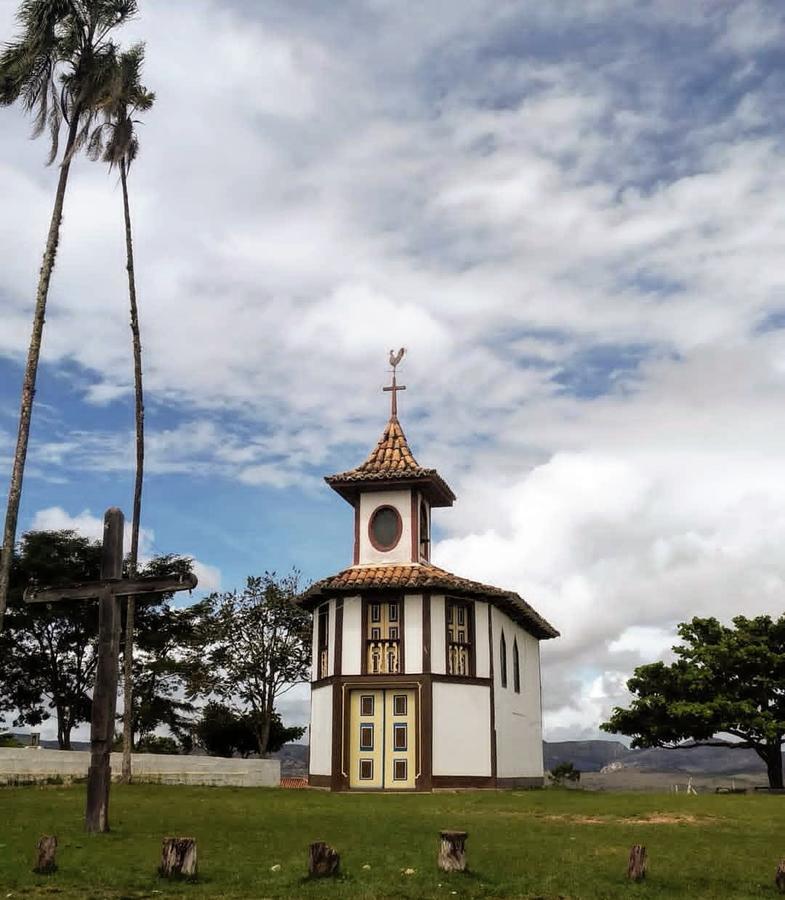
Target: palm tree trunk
[[128, 656], [31, 370]]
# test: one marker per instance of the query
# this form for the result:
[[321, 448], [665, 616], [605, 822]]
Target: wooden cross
[[107, 590], [395, 358]]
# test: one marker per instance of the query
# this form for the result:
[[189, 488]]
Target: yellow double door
[[382, 740]]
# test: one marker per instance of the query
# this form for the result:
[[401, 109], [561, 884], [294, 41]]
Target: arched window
[[516, 667], [503, 659], [425, 534]]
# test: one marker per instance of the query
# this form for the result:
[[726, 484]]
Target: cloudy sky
[[570, 213]]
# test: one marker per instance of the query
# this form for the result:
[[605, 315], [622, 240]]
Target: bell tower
[[392, 495]]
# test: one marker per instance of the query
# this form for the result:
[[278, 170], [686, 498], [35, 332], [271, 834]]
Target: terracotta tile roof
[[427, 577], [392, 460]]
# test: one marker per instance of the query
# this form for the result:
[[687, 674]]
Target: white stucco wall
[[351, 650], [438, 635], [321, 735], [20, 765], [402, 502], [331, 639], [518, 716], [412, 623], [482, 658], [461, 729]]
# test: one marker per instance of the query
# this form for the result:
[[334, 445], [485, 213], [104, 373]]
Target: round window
[[385, 528]]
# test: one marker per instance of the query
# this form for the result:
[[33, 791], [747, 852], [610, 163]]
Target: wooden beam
[[92, 590]]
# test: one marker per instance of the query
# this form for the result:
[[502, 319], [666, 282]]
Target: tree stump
[[452, 851], [779, 877], [636, 869], [178, 858], [323, 861], [47, 849]]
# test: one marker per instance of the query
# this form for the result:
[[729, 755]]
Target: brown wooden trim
[[380, 681], [462, 679], [472, 637], [426, 633], [426, 737], [338, 649], [415, 527], [398, 533], [466, 782], [364, 636], [346, 732], [356, 505], [337, 778], [494, 763], [523, 781], [320, 781]]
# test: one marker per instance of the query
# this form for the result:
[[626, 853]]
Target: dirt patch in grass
[[653, 819]]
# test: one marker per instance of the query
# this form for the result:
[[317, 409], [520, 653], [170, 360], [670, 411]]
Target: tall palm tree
[[115, 141], [57, 68]]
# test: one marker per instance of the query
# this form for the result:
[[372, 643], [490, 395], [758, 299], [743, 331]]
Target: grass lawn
[[521, 844]]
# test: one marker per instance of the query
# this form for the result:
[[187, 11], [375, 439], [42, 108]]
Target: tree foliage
[[725, 681], [565, 771], [222, 731], [60, 64], [163, 635], [48, 652], [113, 139], [252, 647]]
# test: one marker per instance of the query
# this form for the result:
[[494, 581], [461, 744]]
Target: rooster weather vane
[[395, 359]]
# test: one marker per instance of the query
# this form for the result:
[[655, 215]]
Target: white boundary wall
[[27, 764]]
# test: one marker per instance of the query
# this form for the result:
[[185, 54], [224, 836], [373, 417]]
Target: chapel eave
[[349, 485], [418, 577]]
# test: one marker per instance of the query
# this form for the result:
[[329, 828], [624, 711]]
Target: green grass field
[[521, 844]]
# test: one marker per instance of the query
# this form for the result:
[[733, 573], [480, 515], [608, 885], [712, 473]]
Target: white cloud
[[209, 576], [454, 179]]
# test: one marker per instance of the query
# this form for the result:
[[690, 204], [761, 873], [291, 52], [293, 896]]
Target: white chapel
[[421, 679]]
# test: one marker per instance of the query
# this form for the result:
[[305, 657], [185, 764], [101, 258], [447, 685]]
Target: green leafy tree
[[58, 68], [48, 652], [163, 635], [222, 731], [155, 743], [725, 681], [114, 140], [251, 648]]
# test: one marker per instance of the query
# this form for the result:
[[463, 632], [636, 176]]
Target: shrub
[[565, 772]]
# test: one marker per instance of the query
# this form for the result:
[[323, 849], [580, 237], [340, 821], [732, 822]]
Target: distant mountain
[[588, 756], [294, 760], [591, 756]]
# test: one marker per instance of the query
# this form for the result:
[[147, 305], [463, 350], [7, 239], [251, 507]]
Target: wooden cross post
[[107, 590]]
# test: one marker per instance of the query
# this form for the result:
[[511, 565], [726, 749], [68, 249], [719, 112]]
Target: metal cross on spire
[[395, 359]]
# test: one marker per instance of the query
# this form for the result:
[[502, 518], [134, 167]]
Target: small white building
[[421, 679]]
